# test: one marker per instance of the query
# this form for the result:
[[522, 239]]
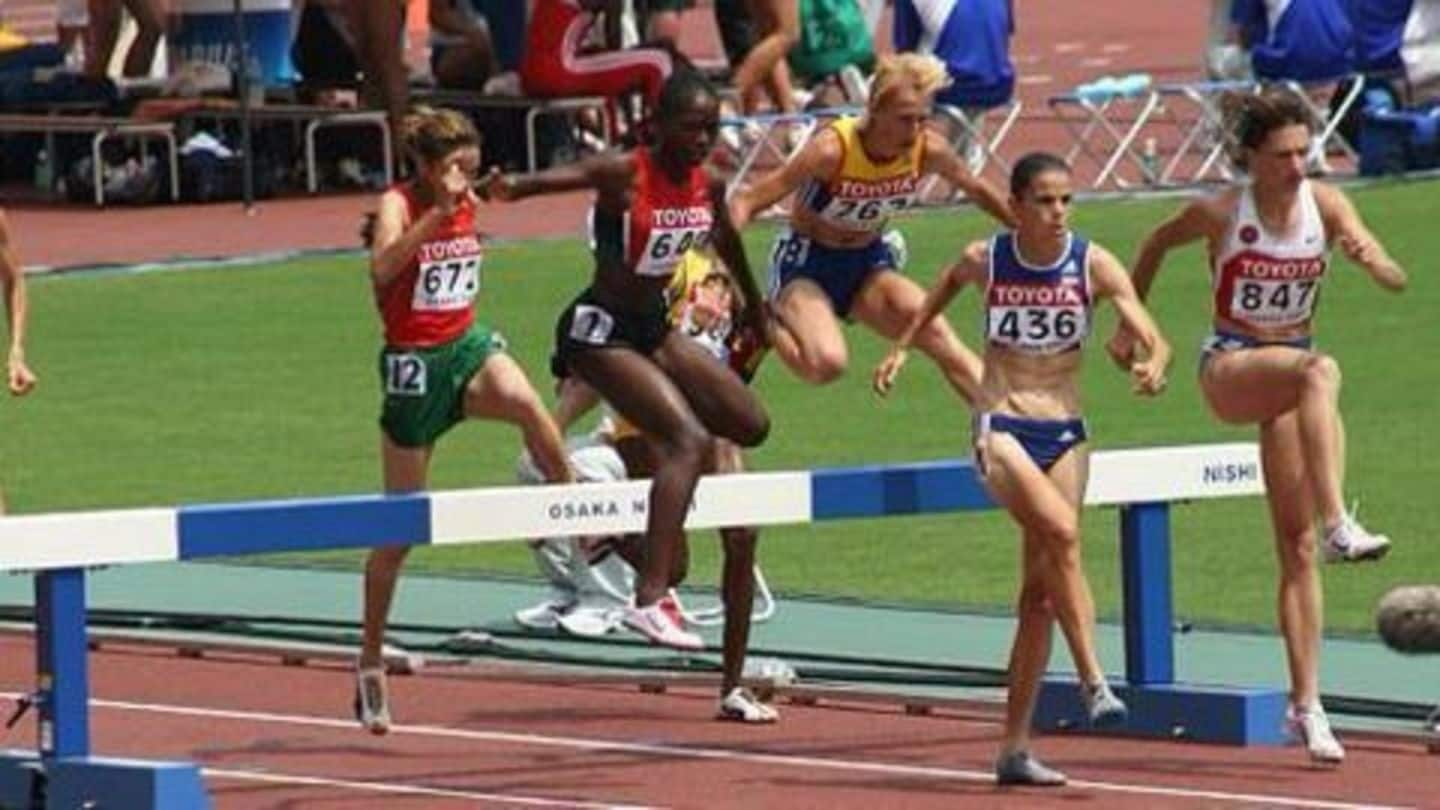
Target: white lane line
[[724, 754], [1115, 47], [1095, 61], [1069, 47], [488, 799], [1037, 78]]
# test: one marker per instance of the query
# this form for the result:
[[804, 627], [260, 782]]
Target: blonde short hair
[[922, 73]]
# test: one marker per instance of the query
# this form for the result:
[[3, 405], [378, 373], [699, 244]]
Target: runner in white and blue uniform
[[1040, 282], [1269, 240]]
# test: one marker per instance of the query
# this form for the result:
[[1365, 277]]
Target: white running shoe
[[1312, 727], [1348, 541], [372, 700], [590, 621], [1104, 709], [1020, 768], [654, 623], [741, 706], [544, 616]]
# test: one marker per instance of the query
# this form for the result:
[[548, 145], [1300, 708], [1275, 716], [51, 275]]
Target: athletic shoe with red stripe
[[654, 623]]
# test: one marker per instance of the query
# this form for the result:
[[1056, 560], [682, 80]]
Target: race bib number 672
[[446, 285]]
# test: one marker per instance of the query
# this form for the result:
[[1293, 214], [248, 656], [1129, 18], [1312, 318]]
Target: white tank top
[[1268, 281]]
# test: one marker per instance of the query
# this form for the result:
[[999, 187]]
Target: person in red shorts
[[556, 63], [438, 366]]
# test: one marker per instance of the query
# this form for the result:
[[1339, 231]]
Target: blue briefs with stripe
[[840, 272], [1044, 440]]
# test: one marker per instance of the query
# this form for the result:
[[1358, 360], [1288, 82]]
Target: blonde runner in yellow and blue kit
[[832, 263], [860, 198]]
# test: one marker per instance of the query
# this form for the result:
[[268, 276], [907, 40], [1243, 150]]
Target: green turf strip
[[239, 383]]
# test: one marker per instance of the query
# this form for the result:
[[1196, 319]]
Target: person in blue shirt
[[972, 38], [1300, 40]]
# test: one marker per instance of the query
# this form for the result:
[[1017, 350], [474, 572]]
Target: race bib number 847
[[1274, 302]]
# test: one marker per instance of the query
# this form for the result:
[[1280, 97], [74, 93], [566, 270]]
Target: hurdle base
[[18, 772], [71, 782], [1177, 711]]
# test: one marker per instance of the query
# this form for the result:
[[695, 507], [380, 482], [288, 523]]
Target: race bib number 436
[[446, 285], [1041, 329]]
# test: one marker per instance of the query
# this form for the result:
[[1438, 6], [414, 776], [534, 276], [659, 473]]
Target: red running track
[[273, 736]]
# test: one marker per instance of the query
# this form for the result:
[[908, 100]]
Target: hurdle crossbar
[[1143, 482]]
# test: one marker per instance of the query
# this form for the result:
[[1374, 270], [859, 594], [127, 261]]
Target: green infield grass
[[259, 382]]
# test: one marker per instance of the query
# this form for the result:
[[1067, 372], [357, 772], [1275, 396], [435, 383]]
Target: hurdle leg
[[71, 776], [1159, 707], [1145, 577], [62, 673], [61, 687]]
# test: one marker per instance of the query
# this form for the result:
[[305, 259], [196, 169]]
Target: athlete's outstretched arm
[[605, 172], [940, 158], [1196, 220], [1112, 282], [819, 158], [731, 250], [12, 282], [972, 268], [1191, 223], [1358, 243]]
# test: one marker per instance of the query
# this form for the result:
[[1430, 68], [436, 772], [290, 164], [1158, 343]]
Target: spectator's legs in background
[[380, 27], [105, 18], [611, 74], [663, 19], [72, 24], [150, 20], [104, 31], [780, 88], [737, 30], [467, 65], [779, 20]]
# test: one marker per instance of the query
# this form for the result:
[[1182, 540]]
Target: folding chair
[[968, 135], [714, 614], [1329, 115], [1100, 130], [762, 141], [1193, 109]]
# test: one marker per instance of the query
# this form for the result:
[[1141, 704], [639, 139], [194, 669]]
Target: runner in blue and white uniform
[[1040, 283]]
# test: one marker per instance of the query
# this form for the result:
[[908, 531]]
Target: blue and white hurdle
[[59, 548]]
